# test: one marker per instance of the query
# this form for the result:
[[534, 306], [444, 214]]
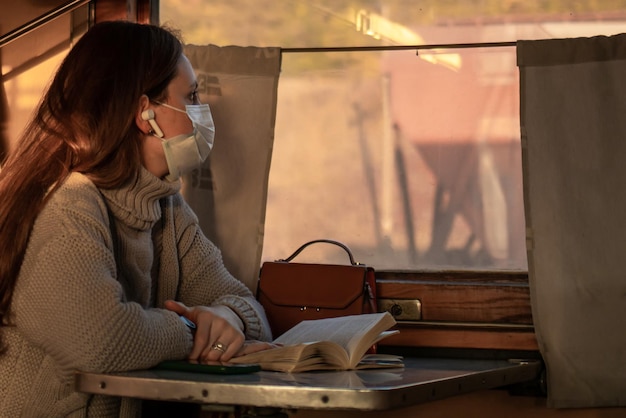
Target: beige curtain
[[229, 193], [573, 125]]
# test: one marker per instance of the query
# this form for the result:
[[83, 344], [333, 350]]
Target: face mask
[[188, 151]]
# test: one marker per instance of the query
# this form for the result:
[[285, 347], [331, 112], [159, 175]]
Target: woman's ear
[[144, 118]]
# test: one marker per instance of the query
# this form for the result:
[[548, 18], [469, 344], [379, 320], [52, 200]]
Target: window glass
[[29, 61], [413, 160]]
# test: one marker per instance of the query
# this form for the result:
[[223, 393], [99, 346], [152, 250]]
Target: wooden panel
[[131, 10], [482, 310], [461, 297], [110, 10], [459, 337]]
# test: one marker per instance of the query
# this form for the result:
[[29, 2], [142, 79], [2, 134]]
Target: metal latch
[[402, 309]]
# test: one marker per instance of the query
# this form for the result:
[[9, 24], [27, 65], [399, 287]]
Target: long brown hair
[[84, 123]]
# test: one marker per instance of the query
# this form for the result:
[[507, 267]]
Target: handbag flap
[[312, 285]]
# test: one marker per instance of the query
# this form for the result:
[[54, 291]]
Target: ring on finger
[[218, 346]]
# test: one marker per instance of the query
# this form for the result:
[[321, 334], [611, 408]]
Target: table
[[421, 380]]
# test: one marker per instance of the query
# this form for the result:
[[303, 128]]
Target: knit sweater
[[89, 295]]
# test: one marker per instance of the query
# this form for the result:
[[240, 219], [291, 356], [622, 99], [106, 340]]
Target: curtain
[[229, 192], [573, 126]]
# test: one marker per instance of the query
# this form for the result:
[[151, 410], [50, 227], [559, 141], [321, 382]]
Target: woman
[[100, 257]]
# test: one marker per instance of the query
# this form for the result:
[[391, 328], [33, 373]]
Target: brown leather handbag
[[294, 292]]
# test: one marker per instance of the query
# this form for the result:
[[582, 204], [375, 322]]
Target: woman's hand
[[219, 331]]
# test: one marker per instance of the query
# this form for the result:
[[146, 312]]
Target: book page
[[320, 355], [355, 333], [327, 344], [339, 330]]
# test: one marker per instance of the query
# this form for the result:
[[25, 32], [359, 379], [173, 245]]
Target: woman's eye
[[194, 96]]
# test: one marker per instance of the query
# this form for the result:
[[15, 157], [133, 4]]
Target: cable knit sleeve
[[69, 302], [204, 278]]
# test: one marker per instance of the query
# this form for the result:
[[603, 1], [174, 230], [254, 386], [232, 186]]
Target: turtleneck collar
[[137, 203]]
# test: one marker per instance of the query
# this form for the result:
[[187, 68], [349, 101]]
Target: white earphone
[[149, 116]]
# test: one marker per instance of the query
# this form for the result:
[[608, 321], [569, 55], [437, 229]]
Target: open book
[[329, 344]]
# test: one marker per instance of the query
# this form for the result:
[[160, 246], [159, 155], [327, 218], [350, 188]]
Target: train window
[[412, 159]]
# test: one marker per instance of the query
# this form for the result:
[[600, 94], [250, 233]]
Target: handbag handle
[[329, 241]]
